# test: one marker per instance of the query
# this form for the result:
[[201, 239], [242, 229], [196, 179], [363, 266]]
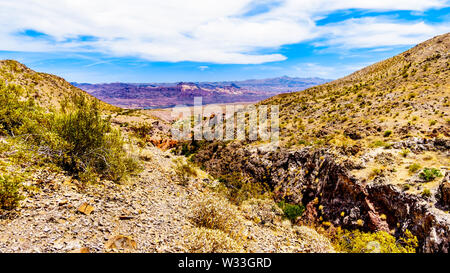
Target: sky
[[99, 41]]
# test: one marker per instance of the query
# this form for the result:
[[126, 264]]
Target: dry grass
[[215, 212], [204, 240]]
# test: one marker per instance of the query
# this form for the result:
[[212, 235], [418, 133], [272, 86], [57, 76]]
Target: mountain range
[[160, 95]]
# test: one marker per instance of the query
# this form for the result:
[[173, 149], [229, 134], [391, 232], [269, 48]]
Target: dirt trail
[[152, 210]]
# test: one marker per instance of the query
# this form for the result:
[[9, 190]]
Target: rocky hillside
[[407, 95], [153, 212], [154, 95], [74, 180], [46, 89], [367, 152]]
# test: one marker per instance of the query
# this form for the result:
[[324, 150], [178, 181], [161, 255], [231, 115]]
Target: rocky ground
[[150, 213], [350, 192]]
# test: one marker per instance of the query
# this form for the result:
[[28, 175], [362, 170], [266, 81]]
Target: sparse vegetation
[[405, 152], [214, 212], [426, 193], [77, 137], [429, 174], [377, 242], [238, 188], [184, 171], [204, 240], [413, 168], [387, 133], [10, 195], [291, 211]]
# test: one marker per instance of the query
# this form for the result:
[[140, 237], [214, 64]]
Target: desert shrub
[[204, 240], [405, 152], [312, 241], [90, 144], [142, 130], [380, 143], [291, 211], [76, 137], [426, 193], [387, 133], [414, 167], [378, 242], [428, 174], [20, 116], [10, 195], [215, 212], [261, 211], [375, 172], [240, 189], [184, 171], [406, 187], [250, 190]]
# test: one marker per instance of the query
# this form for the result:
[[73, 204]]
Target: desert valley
[[362, 164]]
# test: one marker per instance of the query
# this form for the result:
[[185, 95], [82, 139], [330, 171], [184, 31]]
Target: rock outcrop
[[444, 192], [315, 179]]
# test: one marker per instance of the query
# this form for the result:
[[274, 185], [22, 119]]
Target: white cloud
[[308, 70], [373, 32], [201, 30]]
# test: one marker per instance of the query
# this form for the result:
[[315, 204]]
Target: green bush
[[90, 144], [291, 211], [20, 116], [387, 133], [428, 174], [9, 193], [414, 167], [76, 137]]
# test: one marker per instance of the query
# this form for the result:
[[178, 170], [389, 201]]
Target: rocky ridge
[[332, 193]]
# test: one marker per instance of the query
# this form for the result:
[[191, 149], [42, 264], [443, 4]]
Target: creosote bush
[[91, 145], [76, 137], [19, 115], [10, 195]]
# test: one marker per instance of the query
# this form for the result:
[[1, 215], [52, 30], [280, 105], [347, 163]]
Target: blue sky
[[204, 40]]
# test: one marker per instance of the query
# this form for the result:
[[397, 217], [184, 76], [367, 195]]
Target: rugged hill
[[48, 90], [72, 180], [152, 95], [366, 152], [407, 95], [275, 85]]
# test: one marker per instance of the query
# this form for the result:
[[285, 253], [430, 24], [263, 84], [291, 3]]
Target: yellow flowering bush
[[377, 242]]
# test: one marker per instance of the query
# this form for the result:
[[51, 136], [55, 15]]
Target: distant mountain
[[153, 95]]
